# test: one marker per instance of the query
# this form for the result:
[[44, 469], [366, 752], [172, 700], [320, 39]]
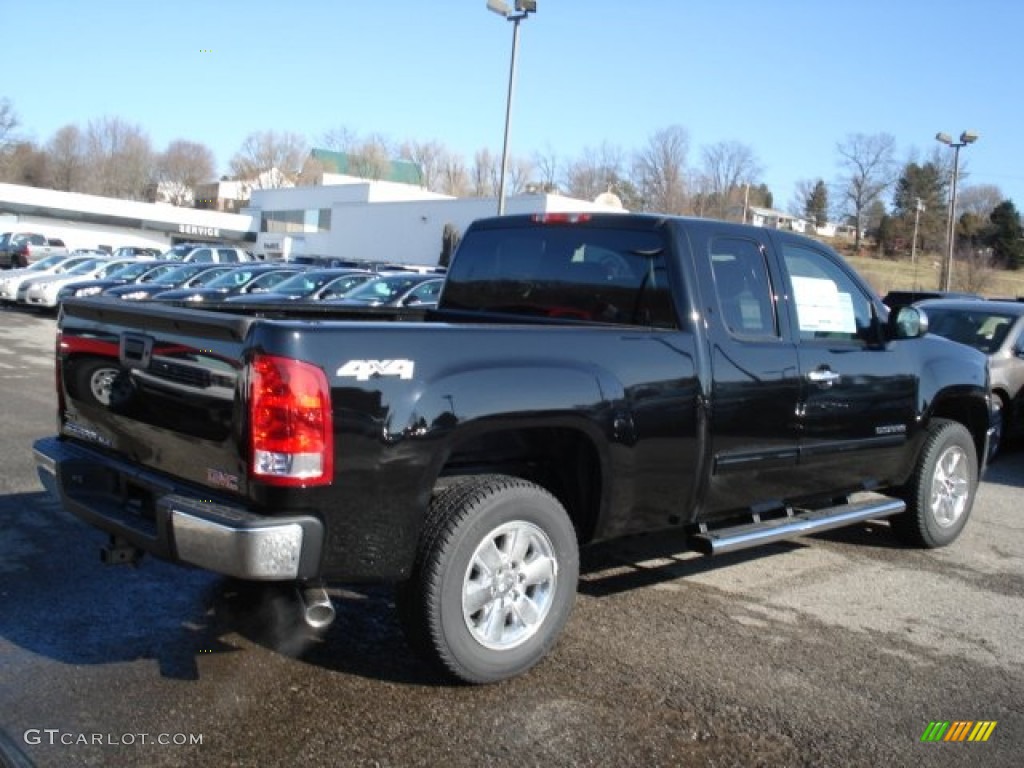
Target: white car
[[43, 291], [11, 280]]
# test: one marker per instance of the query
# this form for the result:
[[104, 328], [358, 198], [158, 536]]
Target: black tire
[[940, 493], [93, 378], [1000, 413], [484, 624]]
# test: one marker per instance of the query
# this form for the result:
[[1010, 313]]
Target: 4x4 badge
[[363, 370]]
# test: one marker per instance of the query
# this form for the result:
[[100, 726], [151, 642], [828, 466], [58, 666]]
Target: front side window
[[829, 304]]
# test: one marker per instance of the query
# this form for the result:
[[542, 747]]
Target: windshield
[[68, 266], [86, 266], [983, 330], [305, 283], [209, 275], [383, 289], [46, 263], [111, 269], [232, 279], [178, 274]]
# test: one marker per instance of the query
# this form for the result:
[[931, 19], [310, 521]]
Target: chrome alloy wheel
[[100, 382], [951, 486], [509, 585]]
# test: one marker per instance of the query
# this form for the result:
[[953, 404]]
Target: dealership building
[[340, 216], [90, 221]]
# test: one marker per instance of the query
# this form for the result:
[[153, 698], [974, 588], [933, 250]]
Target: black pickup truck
[[585, 377]]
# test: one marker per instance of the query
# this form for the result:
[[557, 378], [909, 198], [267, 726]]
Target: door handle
[[824, 377]]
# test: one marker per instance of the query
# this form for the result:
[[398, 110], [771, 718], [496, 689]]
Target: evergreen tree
[[1006, 236], [816, 205], [927, 183]]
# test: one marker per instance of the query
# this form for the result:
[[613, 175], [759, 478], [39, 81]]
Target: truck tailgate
[[172, 387]]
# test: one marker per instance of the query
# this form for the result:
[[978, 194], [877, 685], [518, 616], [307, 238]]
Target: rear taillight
[[58, 376], [291, 429]]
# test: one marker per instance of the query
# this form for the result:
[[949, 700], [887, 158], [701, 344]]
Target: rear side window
[[571, 272], [743, 286]]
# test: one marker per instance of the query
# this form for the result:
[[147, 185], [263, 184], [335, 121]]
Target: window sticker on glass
[[822, 308]]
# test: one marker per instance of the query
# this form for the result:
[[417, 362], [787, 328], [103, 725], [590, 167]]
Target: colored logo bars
[[958, 730]]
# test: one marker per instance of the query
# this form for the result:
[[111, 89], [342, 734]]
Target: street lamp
[[523, 8], [967, 137]]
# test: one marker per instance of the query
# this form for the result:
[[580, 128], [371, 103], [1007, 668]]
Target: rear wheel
[[93, 379], [940, 494], [494, 581]]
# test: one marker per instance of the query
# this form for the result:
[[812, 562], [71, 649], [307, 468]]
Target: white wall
[[76, 234], [410, 232]]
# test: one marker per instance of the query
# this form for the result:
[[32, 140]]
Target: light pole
[[967, 137], [523, 8], [919, 206]]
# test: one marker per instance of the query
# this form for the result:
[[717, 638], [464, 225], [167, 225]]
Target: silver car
[[997, 329], [43, 291], [13, 279]]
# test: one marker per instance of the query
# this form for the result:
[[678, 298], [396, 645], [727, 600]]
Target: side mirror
[[908, 323], [411, 301]]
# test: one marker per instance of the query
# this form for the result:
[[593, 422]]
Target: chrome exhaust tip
[[317, 609]]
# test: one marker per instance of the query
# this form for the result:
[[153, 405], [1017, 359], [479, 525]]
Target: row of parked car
[[50, 281], [992, 326], [23, 249]]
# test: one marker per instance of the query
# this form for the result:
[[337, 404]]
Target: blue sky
[[789, 78]]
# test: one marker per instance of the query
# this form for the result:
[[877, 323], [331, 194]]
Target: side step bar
[[800, 523]]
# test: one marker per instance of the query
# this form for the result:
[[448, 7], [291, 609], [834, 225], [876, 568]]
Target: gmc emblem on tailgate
[[136, 350]]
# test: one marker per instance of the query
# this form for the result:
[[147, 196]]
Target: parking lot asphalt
[[838, 649]]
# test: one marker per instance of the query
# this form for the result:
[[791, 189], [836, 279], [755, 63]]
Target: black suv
[[895, 300]]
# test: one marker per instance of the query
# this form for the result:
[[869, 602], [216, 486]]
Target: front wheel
[[494, 581], [940, 493]]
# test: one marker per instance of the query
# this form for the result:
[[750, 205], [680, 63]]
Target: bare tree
[[979, 200], [269, 159], [371, 158], [978, 268], [595, 171], [340, 139], [868, 164], [484, 174], [119, 158], [728, 167], [182, 166], [8, 122], [660, 170], [546, 164], [520, 171], [429, 157], [67, 153], [26, 164], [454, 179]]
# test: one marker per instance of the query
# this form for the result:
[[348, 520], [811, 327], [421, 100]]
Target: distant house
[[773, 219], [232, 195]]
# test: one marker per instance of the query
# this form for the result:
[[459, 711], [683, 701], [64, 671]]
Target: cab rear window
[[578, 273]]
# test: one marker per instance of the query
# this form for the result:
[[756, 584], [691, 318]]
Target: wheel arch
[[561, 455]]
